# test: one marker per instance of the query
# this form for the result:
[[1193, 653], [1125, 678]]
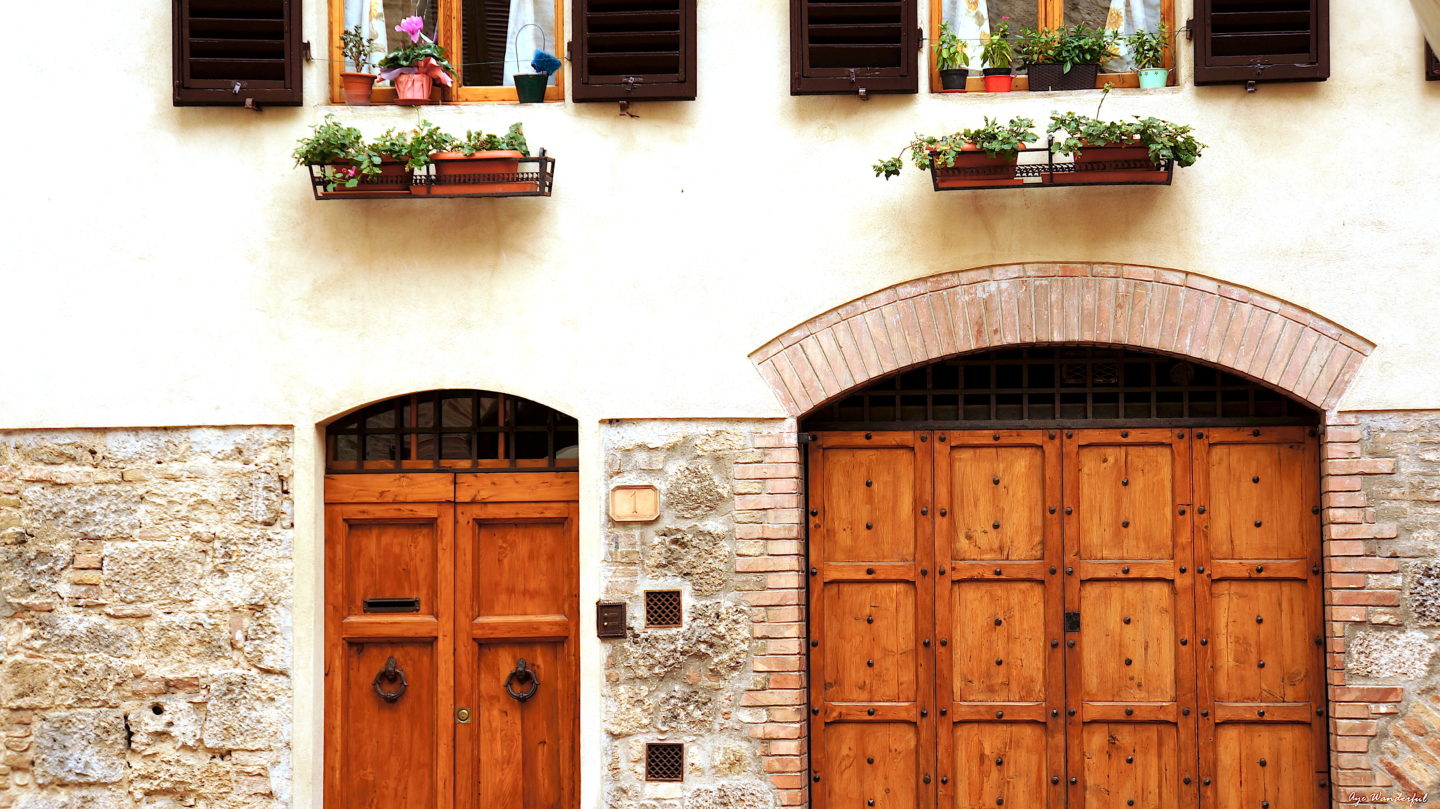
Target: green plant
[[1079, 45], [412, 53], [357, 47], [332, 142], [996, 51], [512, 140], [1147, 48], [1164, 139], [413, 147], [1038, 46], [993, 138], [950, 51]]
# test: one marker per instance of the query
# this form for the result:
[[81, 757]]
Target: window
[[866, 47], [972, 20], [627, 51], [237, 52], [488, 41], [1239, 41]]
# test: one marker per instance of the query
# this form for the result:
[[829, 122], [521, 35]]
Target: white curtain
[[1127, 17], [521, 41], [370, 16], [970, 19], [1429, 13]]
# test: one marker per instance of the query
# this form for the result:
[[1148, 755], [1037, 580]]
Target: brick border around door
[[1174, 312]]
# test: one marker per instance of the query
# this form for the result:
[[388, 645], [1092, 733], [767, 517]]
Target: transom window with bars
[[453, 430], [1059, 386]]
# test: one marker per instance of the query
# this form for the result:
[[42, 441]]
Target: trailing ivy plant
[[1147, 48], [357, 47], [512, 140], [993, 138], [330, 143], [996, 52], [1164, 139], [950, 50]]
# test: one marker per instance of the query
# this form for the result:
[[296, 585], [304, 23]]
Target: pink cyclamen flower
[[411, 26]]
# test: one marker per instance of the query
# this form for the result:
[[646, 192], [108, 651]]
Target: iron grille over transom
[[664, 761], [1074, 386], [453, 430]]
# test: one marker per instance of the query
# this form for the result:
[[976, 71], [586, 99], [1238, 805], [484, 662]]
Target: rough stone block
[[80, 747], [1388, 654], [245, 711]]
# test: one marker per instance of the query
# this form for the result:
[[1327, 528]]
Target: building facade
[[233, 577]]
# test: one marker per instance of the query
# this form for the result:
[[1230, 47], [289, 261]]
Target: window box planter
[[1041, 167], [976, 169], [483, 174], [1055, 77]]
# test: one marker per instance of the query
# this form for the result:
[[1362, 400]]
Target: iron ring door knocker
[[522, 674], [391, 674]]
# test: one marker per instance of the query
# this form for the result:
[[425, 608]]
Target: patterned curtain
[[1429, 13], [1127, 17], [971, 21], [370, 16], [532, 28]]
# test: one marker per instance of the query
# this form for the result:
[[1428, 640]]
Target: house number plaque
[[634, 503]]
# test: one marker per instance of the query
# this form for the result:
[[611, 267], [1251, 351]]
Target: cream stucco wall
[[188, 278], [183, 275]]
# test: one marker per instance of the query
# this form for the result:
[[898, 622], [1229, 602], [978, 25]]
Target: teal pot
[[530, 87], [1153, 77]]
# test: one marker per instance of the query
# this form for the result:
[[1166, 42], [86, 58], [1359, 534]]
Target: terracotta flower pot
[[358, 87], [1091, 155], [459, 173], [974, 168], [413, 88], [394, 178]]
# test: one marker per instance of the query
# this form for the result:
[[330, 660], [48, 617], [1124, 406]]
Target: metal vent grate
[[453, 430], [1062, 386], [664, 761], [662, 608]]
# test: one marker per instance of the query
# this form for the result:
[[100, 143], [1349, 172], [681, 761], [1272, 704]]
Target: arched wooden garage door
[[1081, 577], [451, 589]]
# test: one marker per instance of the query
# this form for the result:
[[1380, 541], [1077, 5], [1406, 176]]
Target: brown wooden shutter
[[1243, 41], [1432, 65], [846, 47], [627, 50], [228, 51]]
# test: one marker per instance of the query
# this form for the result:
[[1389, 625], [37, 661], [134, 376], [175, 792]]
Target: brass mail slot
[[392, 605]]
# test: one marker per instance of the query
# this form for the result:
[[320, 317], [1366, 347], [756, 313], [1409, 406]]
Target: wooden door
[[1000, 684], [456, 594], [517, 599], [389, 538], [1129, 584], [1262, 684], [872, 643]]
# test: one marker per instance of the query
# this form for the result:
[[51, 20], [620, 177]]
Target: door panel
[[494, 580], [997, 761], [872, 653], [517, 592], [1261, 684], [1000, 673], [1132, 764], [383, 753], [1127, 536]]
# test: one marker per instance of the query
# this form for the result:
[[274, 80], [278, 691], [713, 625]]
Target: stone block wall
[[145, 631], [729, 683], [1382, 532]]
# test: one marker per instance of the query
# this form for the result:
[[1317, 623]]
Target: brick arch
[[1186, 314]]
